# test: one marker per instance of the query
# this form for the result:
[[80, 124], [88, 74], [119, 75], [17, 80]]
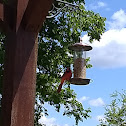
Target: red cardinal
[[66, 76]]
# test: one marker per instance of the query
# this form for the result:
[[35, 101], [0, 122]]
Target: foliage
[[53, 40], [115, 114]]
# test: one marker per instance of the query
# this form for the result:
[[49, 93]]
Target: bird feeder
[[80, 63]]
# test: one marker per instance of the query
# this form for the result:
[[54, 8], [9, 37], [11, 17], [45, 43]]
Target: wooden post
[[19, 79], [23, 19]]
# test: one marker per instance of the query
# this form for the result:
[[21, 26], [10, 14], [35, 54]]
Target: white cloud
[[110, 52], [97, 102], [98, 5], [82, 99], [118, 20], [101, 4], [66, 125], [48, 121], [100, 117]]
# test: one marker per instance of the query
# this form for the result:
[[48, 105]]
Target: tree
[[54, 38], [115, 114]]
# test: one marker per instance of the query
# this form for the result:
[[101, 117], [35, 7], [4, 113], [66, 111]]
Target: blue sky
[[108, 58]]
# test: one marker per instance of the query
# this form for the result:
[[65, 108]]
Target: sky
[[108, 58]]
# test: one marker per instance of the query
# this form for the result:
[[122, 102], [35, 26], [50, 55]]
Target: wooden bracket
[[35, 14], [28, 13]]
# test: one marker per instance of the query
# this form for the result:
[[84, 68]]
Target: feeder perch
[[80, 63]]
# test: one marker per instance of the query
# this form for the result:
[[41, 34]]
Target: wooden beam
[[2, 26], [10, 14], [1, 11], [35, 14], [13, 13]]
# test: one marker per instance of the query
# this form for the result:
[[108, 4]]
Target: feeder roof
[[80, 47]]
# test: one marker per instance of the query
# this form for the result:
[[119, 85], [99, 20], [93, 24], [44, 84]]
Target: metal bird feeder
[[80, 63]]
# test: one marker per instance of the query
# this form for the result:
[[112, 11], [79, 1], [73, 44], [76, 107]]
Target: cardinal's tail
[[59, 88]]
